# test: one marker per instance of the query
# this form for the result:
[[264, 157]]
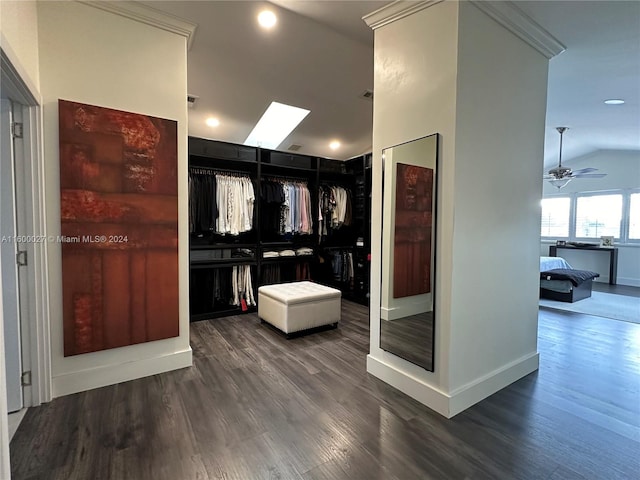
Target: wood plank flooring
[[258, 406], [616, 289]]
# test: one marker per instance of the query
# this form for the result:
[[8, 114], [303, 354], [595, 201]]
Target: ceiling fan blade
[[548, 177], [589, 175], [584, 170]]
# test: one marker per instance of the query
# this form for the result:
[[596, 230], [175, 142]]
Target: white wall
[[502, 88], [19, 33], [95, 57], [451, 70], [623, 172]]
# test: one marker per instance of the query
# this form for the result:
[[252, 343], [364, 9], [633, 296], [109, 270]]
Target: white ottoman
[[293, 307]]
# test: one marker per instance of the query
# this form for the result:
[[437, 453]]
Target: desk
[[613, 258]]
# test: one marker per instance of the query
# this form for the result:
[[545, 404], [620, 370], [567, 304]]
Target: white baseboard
[[123, 372], [408, 384], [473, 392], [449, 405], [631, 282]]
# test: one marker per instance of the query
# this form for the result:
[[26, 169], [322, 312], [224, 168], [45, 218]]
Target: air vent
[[191, 100], [294, 148], [367, 94]]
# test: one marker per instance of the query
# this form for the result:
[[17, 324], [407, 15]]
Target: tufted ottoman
[[293, 307]]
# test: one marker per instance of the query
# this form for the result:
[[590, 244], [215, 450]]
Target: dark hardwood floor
[[616, 289], [257, 406]]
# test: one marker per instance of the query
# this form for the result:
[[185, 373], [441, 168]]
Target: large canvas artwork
[[119, 233], [413, 228]]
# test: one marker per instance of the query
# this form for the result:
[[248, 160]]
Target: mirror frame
[[434, 244]]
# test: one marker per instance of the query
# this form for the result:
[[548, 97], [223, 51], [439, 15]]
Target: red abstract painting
[[413, 228], [119, 232]]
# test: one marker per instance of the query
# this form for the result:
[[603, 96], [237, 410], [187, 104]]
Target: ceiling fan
[[559, 176]]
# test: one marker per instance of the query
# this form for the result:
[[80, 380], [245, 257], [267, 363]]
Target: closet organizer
[[258, 217]]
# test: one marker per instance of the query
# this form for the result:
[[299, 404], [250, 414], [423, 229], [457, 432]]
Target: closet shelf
[[221, 246], [226, 262], [283, 168], [206, 161], [286, 243], [296, 259]]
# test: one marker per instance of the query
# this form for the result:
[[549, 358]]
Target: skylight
[[277, 122]]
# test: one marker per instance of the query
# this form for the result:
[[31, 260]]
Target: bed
[[560, 282]]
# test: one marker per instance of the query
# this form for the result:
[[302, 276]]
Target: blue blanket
[[549, 263]]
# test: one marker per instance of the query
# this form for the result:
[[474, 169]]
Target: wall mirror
[[407, 303]]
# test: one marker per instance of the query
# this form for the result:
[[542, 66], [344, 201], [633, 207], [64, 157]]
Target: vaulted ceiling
[[320, 57]]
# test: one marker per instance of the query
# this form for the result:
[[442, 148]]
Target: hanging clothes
[[242, 286], [203, 209], [286, 207], [303, 271], [219, 202], [334, 209], [342, 265], [272, 197], [235, 199], [279, 273]]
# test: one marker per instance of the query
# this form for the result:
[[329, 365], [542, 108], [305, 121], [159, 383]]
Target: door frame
[[13, 350], [31, 214]]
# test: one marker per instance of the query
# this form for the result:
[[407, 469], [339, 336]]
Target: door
[[9, 247]]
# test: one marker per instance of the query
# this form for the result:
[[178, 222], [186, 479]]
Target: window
[[598, 215], [634, 216], [555, 217], [590, 215]]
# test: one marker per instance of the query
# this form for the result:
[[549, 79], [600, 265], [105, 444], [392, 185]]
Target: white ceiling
[[602, 61], [320, 57]]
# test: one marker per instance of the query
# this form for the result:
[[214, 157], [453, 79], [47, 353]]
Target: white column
[[451, 68]]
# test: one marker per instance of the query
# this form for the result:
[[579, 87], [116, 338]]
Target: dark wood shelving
[[287, 168], [222, 263], [261, 164], [214, 246], [283, 243], [297, 258]]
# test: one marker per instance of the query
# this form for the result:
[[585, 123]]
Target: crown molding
[[395, 11], [506, 13], [511, 17], [147, 15]]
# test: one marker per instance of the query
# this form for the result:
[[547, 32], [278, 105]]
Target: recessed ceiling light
[[276, 123], [334, 145], [267, 19], [614, 101], [212, 122]]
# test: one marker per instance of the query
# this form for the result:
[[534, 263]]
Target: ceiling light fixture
[[276, 123], [212, 122], [614, 101], [334, 145], [560, 182], [559, 176], [267, 19]]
